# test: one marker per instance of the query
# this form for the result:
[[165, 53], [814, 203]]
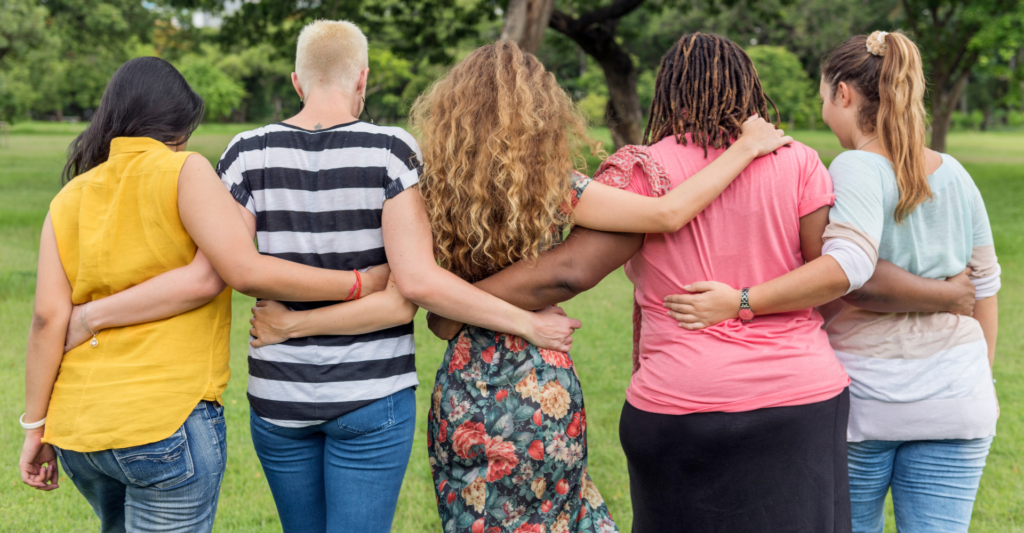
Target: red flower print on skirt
[[562, 487], [515, 344], [530, 528], [501, 395], [572, 430], [501, 458], [553, 358], [460, 356], [442, 434], [478, 526], [488, 354], [466, 437], [536, 450]]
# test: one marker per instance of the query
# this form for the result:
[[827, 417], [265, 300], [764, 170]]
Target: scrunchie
[[876, 43]]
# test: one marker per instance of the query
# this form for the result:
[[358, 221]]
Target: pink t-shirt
[[749, 235]]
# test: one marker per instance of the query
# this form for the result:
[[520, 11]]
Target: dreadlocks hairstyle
[[886, 69], [707, 86], [500, 140]]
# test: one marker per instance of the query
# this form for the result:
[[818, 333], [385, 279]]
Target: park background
[[56, 57]]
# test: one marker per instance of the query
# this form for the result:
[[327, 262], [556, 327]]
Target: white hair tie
[[876, 43]]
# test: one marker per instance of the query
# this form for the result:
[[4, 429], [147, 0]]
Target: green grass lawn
[[30, 176]]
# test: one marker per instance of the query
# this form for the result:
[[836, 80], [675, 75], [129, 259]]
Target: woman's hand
[[375, 279], [34, 455], [963, 303], [272, 323], [443, 328], [551, 329], [761, 136], [708, 303], [77, 334]]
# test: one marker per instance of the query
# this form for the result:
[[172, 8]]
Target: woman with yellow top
[[135, 413]]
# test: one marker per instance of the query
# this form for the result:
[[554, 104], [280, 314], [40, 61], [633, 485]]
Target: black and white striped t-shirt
[[318, 197]]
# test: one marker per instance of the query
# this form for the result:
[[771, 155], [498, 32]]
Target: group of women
[[805, 339]]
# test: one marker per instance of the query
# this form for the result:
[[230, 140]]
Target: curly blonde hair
[[500, 141]]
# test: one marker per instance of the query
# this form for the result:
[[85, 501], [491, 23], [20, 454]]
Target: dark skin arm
[[575, 266], [892, 289]]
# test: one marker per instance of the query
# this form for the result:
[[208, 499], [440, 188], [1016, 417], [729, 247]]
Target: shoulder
[[858, 167], [400, 139]]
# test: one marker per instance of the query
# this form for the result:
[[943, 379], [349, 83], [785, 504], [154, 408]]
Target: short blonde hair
[[330, 53]]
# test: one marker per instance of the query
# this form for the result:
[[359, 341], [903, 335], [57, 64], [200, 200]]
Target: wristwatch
[[746, 313]]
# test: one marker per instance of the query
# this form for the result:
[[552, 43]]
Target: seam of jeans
[[60, 457]]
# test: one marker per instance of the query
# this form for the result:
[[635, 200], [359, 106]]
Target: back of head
[[146, 97], [707, 86], [499, 137], [885, 68], [330, 53]]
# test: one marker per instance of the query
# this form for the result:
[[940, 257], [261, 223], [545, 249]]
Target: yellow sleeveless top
[[117, 226]]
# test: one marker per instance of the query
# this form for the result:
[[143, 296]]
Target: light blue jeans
[[934, 483], [169, 485], [343, 475]]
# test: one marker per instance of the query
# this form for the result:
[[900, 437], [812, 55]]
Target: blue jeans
[[933, 482], [169, 485], [343, 475]]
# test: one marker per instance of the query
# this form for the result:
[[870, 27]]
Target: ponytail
[[886, 69]]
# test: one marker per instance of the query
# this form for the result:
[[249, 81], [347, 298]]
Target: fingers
[[252, 321], [700, 286], [558, 310], [680, 307], [252, 332], [692, 326], [575, 324]]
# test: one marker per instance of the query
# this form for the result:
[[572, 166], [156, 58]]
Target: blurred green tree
[[785, 81]]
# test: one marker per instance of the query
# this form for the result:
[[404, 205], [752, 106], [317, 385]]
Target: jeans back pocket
[[163, 464], [369, 418]]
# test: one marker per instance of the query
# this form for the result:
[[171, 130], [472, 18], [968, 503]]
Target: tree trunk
[[525, 22], [594, 32], [943, 104], [623, 114], [276, 100]]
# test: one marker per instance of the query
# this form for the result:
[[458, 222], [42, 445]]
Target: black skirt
[[780, 469]]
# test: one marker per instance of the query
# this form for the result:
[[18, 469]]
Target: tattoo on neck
[[318, 127]]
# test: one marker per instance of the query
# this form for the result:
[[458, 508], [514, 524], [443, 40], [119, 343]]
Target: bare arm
[[986, 311], [559, 274], [210, 215], [894, 290], [169, 294], [272, 322], [409, 246], [609, 209], [44, 353]]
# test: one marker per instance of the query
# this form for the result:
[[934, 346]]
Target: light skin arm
[[986, 312], [559, 274], [210, 215], [409, 246], [610, 209], [169, 294], [273, 322], [45, 350], [817, 282]]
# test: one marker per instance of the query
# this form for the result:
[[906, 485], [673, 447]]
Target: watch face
[[746, 314]]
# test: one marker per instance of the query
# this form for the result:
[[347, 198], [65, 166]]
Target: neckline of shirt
[[319, 131]]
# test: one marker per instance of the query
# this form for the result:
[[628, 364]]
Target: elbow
[[40, 321], [416, 291], [242, 279], [406, 312], [209, 288], [575, 283]]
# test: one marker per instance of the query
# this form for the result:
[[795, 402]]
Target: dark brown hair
[[707, 86], [886, 70], [146, 97]]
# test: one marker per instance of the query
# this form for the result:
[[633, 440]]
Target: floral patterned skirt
[[507, 440]]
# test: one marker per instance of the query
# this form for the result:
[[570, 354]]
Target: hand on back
[[762, 136], [552, 329], [707, 304], [964, 302]]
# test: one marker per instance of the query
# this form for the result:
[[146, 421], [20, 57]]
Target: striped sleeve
[[404, 163], [857, 218], [984, 263], [231, 169]]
